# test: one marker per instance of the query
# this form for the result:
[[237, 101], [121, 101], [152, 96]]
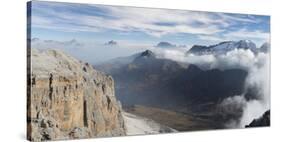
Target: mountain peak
[[265, 47], [223, 47], [265, 44], [165, 44], [246, 41], [147, 53], [73, 40], [246, 44], [111, 42], [35, 39]]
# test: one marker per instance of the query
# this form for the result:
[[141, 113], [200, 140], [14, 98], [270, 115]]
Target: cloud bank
[[258, 79]]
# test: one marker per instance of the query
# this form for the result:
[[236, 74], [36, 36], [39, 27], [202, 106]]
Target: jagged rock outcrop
[[264, 120], [70, 99]]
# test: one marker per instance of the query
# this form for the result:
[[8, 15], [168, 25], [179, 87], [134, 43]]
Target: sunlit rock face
[[70, 99]]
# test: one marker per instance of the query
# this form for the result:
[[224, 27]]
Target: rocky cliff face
[[70, 99]]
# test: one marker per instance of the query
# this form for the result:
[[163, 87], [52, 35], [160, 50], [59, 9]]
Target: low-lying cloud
[[258, 68]]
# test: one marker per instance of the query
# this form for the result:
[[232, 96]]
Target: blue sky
[[99, 23]]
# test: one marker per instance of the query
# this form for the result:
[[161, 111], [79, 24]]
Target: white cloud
[[149, 21], [257, 36], [230, 17], [154, 22], [244, 33], [135, 19], [211, 38]]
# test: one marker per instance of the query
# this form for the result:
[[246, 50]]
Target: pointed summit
[[246, 44], [147, 53], [145, 56]]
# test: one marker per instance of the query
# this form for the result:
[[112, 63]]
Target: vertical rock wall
[[69, 99]]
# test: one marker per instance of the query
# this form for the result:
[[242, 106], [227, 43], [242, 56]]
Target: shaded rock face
[[69, 99], [264, 120]]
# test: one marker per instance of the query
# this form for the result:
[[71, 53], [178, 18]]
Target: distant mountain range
[[224, 47], [70, 43], [144, 79]]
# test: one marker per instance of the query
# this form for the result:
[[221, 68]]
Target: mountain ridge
[[226, 46], [148, 73]]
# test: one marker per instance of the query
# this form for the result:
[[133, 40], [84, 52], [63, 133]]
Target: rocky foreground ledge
[[69, 99]]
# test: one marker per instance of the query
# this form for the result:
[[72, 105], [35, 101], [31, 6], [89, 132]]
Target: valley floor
[[172, 119], [137, 125]]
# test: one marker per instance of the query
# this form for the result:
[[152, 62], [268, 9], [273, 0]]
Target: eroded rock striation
[[70, 99]]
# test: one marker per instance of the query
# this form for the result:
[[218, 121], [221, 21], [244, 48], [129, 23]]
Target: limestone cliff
[[69, 99]]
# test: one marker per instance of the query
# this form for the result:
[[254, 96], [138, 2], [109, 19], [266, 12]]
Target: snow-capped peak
[[223, 47]]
